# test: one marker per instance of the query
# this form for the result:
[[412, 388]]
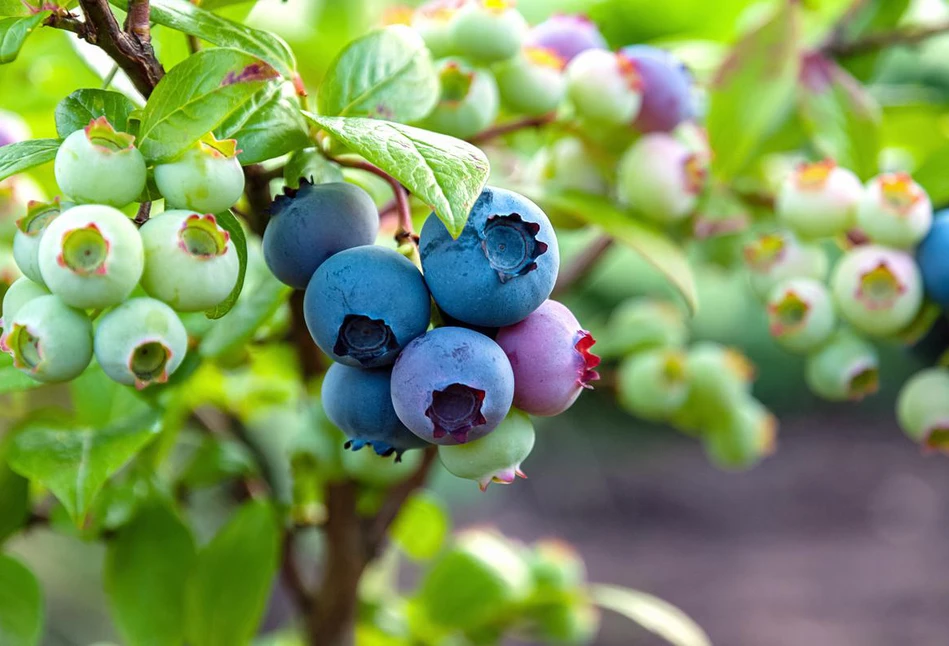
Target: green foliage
[[82, 106], [267, 126], [233, 226], [21, 605], [653, 614], [14, 32], [421, 528], [18, 157]]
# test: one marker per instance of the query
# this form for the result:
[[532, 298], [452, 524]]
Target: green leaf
[[21, 605], [98, 401], [312, 165], [146, 573], [233, 226], [931, 175], [653, 614], [82, 106], [753, 89], [14, 501], [240, 324], [13, 33], [74, 463], [386, 74], [185, 17], [421, 527], [23, 155], [445, 173], [870, 16], [840, 116], [13, 380], [650, 243], [267, 126], [196, 96], [229, 587]]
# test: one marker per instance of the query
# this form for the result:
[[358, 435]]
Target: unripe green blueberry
[[922, 408], [661, 179], [568, 164], [91, 256], [98, 165], [895, 211], [487, 30], [845, 368], [9, 272], [556, 569], [469, 100], [574, 622], [719, 379], [19, 294], [533, 82], [773, 258], [30, 228], [819, 200], [742, 437], [877, 290], [496, 457], [141, 342], [432, 21], [16, 193], [654, 384], [604, 87], [643, 323], [48, 340], [190, 261], [377, 471], [801, 314], [206, 178]]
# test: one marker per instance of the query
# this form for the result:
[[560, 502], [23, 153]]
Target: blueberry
[[22, 291], [844, 368], [894, 211], [469, 100], [922, 408], [502, 266], [567, 35], [568, 164], [742, 437], [100, 166], [30, 228], [452, 386], [653, 384], [661, 179], [48, 340], [775, 257], [432, 21], [370, 469], [666, 88], [801, 314], [206, 177], [819, 200], [487, 30], [551, 358], [497, 457], [365, 304], [359, 402], [933, 258], [310, 224], [532, 82], [604, 87]]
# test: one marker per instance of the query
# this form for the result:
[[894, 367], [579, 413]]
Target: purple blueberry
[[502, 266], [933, 258], [359, 402], [364, 305], [551, 358], [310, 224], [452, 385], [567, 35], [667, 88]]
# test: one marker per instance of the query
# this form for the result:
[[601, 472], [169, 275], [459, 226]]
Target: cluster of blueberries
[[83, 259], [498, 341]]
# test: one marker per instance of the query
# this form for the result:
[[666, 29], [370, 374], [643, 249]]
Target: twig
[[513, 126], [107, 81], [137, 21], [901, 36], [144, 211], [582, 264], [194, 45], [405, 231]]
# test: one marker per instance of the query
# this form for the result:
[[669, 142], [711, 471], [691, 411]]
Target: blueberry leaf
[[653, 614], [233, 226], [386, 74], [23, 155], [445, 173], [259, 304], [82, 106], [421, 528], [13, 33], [312, 165], [21, 604], [268, 125], [196, 96]]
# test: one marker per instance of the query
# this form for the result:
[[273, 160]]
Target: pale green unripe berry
[[895, 211], [30, 229], [91, 256], [801, 314], [141, 342], [496, 457], [719, 379], [19, 294], [469, 100], [773, 258], [742, 437], [190, 261], [877, 290], [556, 569], [660, 178], [98, 165], [922, 408], [568, 164], [654, 384], [845, 368], [604, 87], [368, 468], [487, 30], [206, 178], [819, 200], [533, 82], [643, 323], [432, 21], [48, 340]]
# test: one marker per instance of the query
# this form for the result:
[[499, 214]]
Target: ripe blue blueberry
[[365, 304], [666, 88], [26, 242], [932, 255], [206, 178], [452, 386], [310, 224], [567, 35], [468, 102], [48, 340], [359, 402], [502, 266], [98, 165]]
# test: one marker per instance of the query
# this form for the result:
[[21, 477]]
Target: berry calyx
[[894, 211], [206, 178], [845, 368], [819, 200], [84, 251], [801, 314]]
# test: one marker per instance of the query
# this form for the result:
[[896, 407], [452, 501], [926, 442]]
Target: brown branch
[[379, 526], [513, 126], [137, 21], [582, 264], [902, 36], [144, 211], [405, 231], [64, 20]]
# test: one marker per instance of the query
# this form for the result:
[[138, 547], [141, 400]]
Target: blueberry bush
[[298, 256]]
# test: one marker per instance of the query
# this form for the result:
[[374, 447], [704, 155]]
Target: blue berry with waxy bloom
[[91, 256], [551, 359], [365, 304], [468, 102], [48, 340], [359, 402], [452, 386], [206, 177], [846, 368], [533, 82], [567, 35], [932, 256], [487, 31], [496, 457], [310, 224], [141, 342], [20, 292], [922, 408], [894, 211], [801, 314], [190, 261], [98, 165], [604, 87], [819, 200], [502, 266], [30, 228], [661, 179], [666, 88]]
